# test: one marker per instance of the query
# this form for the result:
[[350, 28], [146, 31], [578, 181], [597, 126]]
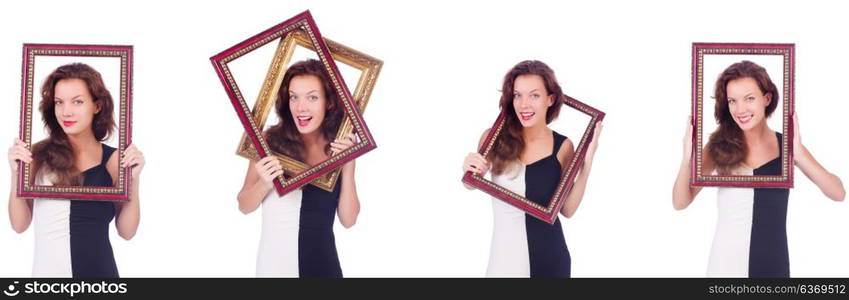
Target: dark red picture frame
[[303, 22], [570, 171], [787, 51], [120, 192]]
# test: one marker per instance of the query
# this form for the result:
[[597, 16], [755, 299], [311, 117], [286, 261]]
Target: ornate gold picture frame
[[264, 105], [709, 59], [118, 79], [304, 24], [547, 213]]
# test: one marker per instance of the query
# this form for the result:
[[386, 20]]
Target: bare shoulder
[[483, 137], [566, 151], [113, 165]]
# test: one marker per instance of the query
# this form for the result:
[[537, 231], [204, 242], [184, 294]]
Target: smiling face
[[531, 100], [307, 102], [746, 102], [74, 106]]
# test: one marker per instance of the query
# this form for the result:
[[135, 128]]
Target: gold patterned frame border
[[369, 68], [305, 23], [786, 51], [545, 213], [119, 192]]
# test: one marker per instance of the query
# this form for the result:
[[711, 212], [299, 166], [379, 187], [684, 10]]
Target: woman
[[297, 228], [528, 159], [72, 237], [751, 232]]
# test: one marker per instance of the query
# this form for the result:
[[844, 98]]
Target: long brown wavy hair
[[54, 155], [284, 137], [726, 145], [510, 143]]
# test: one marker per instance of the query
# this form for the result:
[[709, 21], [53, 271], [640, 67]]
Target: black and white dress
[[72, 237], [297, 234], [751, 229], [524, 246]]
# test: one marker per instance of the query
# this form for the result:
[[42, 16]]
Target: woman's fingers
[[270, 174], [128, 161], [268, 165], [20, 147], [130, 151], [133, 157], [343, 143], [472, 168], [597, 131], [24, 158], [131, 161], [267, 162], [338, 145], [19, 142], [796, 133], [18, 152], [479, 160], [14, 157], [475, 163], [478, 157], [688, 138]]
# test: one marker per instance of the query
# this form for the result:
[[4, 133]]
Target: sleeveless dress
[[71, 236], [297, 234], [751, 229], [524, 246]]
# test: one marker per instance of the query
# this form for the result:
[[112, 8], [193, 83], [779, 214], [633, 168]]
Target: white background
[[438, 91]]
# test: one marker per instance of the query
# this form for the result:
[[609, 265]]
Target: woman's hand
[[594, 144], [20, 209], [797, 140], [268, 168], [475, 163], [829, 184], [682, 193], [576, 194], [18, 152], [688, 140], [133, 158], [343, 143], [128, 214]]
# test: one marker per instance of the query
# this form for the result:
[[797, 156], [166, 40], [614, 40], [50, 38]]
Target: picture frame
[[369, 68], [708, 61], [38, 61], [569, 171], [304, 23]]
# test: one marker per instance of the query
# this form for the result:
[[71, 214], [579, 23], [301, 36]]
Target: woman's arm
[[475, 162], [565, 154], [829, 184], [349, 203], [682, 193], [20, 209], [258, 182], [127, 214]]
